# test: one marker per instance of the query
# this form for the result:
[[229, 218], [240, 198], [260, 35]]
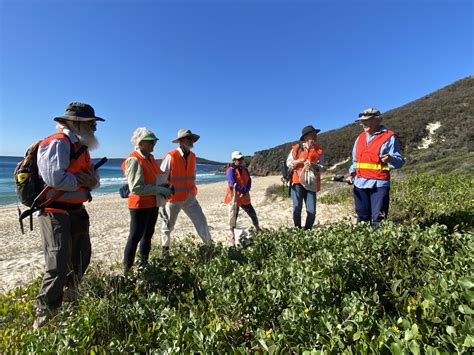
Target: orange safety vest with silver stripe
[[241, 179], [313, 156], [182, 175], [369, 165], [150, 169], [82, 163]]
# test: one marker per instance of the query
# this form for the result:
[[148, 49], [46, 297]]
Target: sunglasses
[[362, 114]]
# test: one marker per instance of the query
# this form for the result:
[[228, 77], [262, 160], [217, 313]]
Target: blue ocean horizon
[[111, 177]]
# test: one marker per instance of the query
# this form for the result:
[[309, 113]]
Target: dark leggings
[[142, 227], [251, 213]]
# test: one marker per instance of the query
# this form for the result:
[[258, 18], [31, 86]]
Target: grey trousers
[[193, 210], [67, 252]]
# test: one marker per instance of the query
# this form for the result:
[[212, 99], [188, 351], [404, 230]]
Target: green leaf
[[465, 309], [396, 349], [356, 336], [466, 282], [450, 330], [414, 347]]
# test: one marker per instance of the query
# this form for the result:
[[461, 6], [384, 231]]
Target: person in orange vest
[[376, 151], [143, 177], [65, 166], [179, 168], [237, 195], [305, 160]]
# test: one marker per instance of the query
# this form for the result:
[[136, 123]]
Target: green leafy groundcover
[[345, 288]]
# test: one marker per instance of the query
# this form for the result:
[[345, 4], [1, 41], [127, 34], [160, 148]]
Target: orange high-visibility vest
[[313, 156], [182, 175], [241, 179], [369, 165], [81, 163], [150, 169]]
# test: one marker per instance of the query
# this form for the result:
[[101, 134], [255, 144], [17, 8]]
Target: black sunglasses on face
[[369, 114]]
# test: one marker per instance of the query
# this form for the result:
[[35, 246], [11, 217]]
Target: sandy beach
[[21, 257]]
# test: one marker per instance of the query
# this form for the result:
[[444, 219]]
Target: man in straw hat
[[304, 161], [179, 166], [65, 166], [376, 151]]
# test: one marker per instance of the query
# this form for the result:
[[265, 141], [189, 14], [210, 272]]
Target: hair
[[139, 134]]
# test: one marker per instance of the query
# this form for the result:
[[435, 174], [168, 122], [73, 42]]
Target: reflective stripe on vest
[[182, 175], [313, 156], [81, 163], [150, 169], [368, 163], [241, 180]]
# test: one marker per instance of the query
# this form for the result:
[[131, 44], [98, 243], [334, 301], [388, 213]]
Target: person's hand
[[86, 178], [296, 163], [385, 158], [349, 180], [307, 165], [164, 191]]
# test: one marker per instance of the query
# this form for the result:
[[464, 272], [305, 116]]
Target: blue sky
[[245, 75]]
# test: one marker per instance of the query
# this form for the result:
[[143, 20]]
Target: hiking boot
[[165, 253], [70, 294], [43, 317]]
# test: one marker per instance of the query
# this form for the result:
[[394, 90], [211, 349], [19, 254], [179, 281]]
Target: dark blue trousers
[[371, 205]]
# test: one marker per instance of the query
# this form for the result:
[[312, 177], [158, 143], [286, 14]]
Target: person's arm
[[165, 167], [352, 168], [53, 160], [136, 180], [230, 178], [391, 153]]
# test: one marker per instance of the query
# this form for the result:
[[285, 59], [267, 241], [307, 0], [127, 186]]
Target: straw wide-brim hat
[[79, 112], [185, 133]]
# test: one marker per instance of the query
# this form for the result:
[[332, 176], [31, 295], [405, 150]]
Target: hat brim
[[193, 136], [77, 118], [365, 118], [315, 131]]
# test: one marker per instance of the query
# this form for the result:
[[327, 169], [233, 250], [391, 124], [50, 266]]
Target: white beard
[[86, 138]]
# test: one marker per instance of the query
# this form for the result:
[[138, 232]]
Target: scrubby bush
[[343, 288]]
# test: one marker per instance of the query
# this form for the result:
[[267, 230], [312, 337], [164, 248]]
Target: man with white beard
[[65, 166]]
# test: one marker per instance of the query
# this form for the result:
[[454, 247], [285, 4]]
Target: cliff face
[[446, 117]]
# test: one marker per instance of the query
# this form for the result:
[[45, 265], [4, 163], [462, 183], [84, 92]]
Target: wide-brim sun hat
[[237, 155], [308, 129], [186, 133], [79, 112], [368, 113]]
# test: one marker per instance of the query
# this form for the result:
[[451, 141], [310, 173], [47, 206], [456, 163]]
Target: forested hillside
[[451, 108]]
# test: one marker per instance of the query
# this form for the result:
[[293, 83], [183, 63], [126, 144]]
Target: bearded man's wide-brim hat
[[79, 112]]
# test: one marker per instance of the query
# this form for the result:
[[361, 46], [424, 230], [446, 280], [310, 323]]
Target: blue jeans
[[298, 195], [371, 205]]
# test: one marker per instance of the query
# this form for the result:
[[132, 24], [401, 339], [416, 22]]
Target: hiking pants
[[298, 195], [234, 214], [193, 210], [372, 204], [142, 227], [67, 251]]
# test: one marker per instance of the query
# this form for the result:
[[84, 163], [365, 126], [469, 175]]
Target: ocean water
[[111, 178]]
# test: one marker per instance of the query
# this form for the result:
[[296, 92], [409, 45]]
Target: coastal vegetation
[[404, 288]]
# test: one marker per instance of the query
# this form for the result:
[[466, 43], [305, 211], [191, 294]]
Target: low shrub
[[400, 289]]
